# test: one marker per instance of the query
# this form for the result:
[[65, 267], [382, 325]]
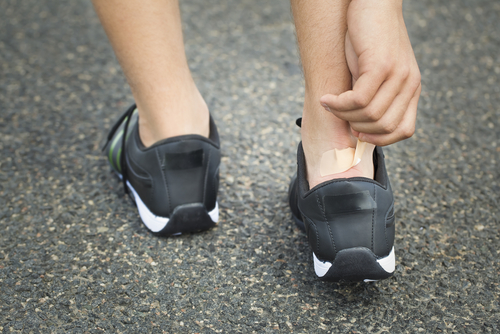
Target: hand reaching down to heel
[[382, 105]]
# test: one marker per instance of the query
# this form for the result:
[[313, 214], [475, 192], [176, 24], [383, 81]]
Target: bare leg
[[321, 28], [147, 40]]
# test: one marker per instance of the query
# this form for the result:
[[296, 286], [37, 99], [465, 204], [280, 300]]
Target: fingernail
[[327, 108]]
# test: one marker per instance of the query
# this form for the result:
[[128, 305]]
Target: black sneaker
[[174, 182], [349, 223]]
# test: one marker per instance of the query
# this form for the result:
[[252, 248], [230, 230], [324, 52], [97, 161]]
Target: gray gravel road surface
[[75, 258]]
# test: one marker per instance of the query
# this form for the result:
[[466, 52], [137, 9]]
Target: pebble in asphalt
[[74, 257]]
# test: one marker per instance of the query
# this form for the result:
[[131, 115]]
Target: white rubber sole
[[387, 263], [157, 223]]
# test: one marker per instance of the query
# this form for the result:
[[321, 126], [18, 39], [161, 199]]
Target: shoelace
[[123, 165]]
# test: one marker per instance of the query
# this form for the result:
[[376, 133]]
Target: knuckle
[[408, 132], [386, 65], [389, 127], [361, 101], [373, 114], [416, 81], [404, 72], [418, 77]]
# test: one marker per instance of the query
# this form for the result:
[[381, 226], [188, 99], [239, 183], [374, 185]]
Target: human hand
[[382, 105]]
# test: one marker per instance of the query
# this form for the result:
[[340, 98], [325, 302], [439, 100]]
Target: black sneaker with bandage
[[349, 223]]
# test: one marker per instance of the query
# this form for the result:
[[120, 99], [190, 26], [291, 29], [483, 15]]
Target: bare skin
[[148, 43]]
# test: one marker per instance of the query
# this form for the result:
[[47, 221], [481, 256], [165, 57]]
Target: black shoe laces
[[123, 166]]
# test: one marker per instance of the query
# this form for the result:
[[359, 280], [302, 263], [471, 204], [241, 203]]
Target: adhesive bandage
[[337, 161]]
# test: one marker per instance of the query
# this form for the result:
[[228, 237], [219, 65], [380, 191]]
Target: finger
[[360, 96], [405, 129], [390, 120], [379, 105]]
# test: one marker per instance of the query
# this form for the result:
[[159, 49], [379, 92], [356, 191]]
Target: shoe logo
[[178, 161], [348, 203]]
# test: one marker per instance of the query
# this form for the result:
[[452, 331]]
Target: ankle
[[177, 117], [365, 168], [320, 136]]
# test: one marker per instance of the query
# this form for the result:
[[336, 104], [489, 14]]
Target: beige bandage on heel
[[338, 161]]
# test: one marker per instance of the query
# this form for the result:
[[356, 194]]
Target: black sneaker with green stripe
[[174, 182]]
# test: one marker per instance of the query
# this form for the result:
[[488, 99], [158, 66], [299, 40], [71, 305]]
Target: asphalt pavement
[[75, 258]]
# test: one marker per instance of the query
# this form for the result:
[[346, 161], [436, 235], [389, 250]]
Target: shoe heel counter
[[383, 233], [341, 221], [384, 222], [320, 239], [390, 231], [191, 173], [212, 180]]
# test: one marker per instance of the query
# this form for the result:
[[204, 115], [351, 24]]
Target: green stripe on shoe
[[113, 144], [120, 153], [112, 148]]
